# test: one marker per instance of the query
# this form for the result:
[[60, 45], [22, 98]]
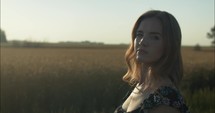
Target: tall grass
[[201, 101], [83, 80], [198, 89]]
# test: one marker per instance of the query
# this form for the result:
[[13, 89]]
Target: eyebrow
[[139, 31], [156, 33]]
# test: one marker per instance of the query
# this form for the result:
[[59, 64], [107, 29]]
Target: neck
[[161, 81], [149, 80], [164, 82]]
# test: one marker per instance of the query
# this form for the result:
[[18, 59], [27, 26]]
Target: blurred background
[[68, 56]]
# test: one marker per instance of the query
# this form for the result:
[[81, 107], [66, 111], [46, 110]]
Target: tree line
[[210, 35]]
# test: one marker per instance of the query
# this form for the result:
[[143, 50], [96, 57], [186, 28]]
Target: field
[[88, 80]]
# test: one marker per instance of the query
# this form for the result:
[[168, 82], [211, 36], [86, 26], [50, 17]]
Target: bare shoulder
[[164, 109]]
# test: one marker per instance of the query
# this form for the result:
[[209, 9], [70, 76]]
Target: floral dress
[[162, 96]]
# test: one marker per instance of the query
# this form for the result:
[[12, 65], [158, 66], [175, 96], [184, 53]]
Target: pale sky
[[108, 21]]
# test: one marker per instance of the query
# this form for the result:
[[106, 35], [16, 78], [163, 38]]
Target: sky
[[107, 21]]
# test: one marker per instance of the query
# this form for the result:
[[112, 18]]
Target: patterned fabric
[[162, 96]]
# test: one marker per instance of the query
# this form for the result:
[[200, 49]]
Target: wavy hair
[[170, 64]]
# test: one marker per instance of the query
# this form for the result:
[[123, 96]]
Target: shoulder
[[170, 93], [164, 109], [165, 98], [164, 95]]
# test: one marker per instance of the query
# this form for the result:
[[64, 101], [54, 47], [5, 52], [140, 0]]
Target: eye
[[139, 35], [155, 37]]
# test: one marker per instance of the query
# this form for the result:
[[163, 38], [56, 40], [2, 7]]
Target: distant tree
[[211, 35], [3, 36], [197, 47]]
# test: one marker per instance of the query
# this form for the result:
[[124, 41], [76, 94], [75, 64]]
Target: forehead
[[150, 25]]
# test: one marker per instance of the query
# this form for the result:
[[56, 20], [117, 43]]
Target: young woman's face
[[148, 43]]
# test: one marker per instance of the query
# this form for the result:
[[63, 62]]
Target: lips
[[142, 50]]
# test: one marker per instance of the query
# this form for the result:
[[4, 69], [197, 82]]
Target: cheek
[[157, 51], [160, 54], [160, 51]]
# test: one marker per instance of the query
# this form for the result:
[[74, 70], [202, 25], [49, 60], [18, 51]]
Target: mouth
[[142, 51]]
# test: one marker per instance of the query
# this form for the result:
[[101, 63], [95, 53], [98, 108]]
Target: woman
[[154, 66]]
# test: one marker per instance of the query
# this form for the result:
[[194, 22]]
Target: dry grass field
[[82, 80], [193, 59]]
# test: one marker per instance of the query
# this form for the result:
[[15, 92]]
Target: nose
[[143, 41]]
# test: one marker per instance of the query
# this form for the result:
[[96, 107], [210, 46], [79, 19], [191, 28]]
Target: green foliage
[[198, 79], [199, 90], [3, 36], [211, 35], [201, 100]]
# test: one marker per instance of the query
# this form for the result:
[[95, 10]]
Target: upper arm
[[164, 109]]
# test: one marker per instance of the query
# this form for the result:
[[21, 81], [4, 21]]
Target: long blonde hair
[[170, 64]]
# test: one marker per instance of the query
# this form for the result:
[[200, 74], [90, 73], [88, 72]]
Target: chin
[[140, 60], [143, 60]]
